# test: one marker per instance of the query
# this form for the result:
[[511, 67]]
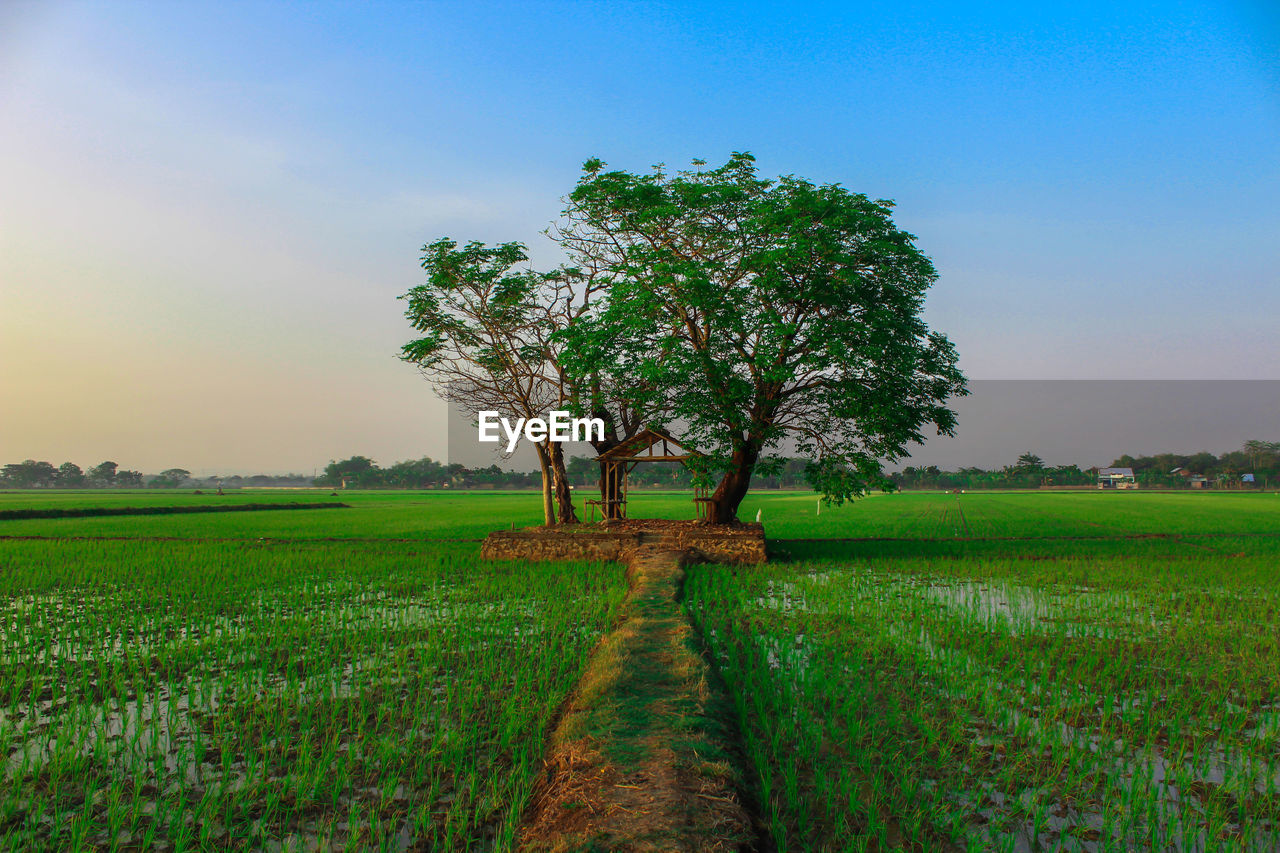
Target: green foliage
[[361, 472], [1030, 462], [126, 479], [473, 306], [486, 342], [763, 311], [70, 476], [29, 474], [170, 478], [103, 474], [1028, 473], [1260, 458]]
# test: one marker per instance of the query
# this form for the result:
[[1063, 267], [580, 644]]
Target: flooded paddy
[[1062, 672], [195, 695], [979, 703]]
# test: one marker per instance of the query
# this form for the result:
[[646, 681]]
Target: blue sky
[[206, 212]]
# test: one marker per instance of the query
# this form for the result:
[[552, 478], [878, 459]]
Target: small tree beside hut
[[489, 324]]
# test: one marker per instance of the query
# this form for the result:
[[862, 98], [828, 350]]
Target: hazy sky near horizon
[[208, 211]]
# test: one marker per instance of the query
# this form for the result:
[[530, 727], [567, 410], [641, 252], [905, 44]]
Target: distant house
[[1200, 481], [1116, 478]]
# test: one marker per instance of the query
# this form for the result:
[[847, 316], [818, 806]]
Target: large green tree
[[29, 474], [103, 475], [70, 475], [769, 313]]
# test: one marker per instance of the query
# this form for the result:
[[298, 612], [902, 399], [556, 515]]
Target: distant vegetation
[[1168, 470], [108, 475]]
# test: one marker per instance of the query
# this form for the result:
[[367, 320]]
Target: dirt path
[[642, 759]]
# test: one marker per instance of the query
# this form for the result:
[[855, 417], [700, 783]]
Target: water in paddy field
[[207, 703], [1022, 710]]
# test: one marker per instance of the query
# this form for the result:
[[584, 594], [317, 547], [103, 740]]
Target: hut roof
[[649, 445]]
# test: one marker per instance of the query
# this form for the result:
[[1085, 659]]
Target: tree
[[582, 470], [1262, 453], [103, 475], [764, 311], [415, 474], [490, 340], [1030, 462], [358, 472], [482, 338], [29, 474], [70, 475], [171, 478], [129, 479]]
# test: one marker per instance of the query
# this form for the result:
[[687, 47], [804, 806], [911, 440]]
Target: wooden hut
[[648, 445]]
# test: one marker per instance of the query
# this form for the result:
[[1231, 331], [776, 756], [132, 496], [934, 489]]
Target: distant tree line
[[1169, 470], [361, 472], [1029, 472], [1163, 470], [42, 475], [31, 474], [1259, 458]]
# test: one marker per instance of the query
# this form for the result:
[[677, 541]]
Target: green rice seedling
[[984, 703], [192, 694]]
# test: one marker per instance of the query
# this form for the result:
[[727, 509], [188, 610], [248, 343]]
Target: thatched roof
[[649, 445]]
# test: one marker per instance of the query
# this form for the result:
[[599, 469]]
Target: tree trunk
[[548, 506], [560, 479], [734, 484]]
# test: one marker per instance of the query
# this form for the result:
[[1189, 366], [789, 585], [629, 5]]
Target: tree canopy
[[764, 312], [486, 320], [490, 339]]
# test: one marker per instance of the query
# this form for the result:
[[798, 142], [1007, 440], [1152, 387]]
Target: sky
[[208, 211]]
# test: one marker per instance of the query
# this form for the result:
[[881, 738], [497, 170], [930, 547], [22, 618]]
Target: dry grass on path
[[642, 759]]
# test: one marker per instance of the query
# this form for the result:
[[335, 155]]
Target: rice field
[[178, 696], [439, 514], [1007, 671], [1124, 699]]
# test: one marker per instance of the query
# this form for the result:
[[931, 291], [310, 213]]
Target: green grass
[[987, 670], [786, 515], [196, 695], [1122, 695]]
